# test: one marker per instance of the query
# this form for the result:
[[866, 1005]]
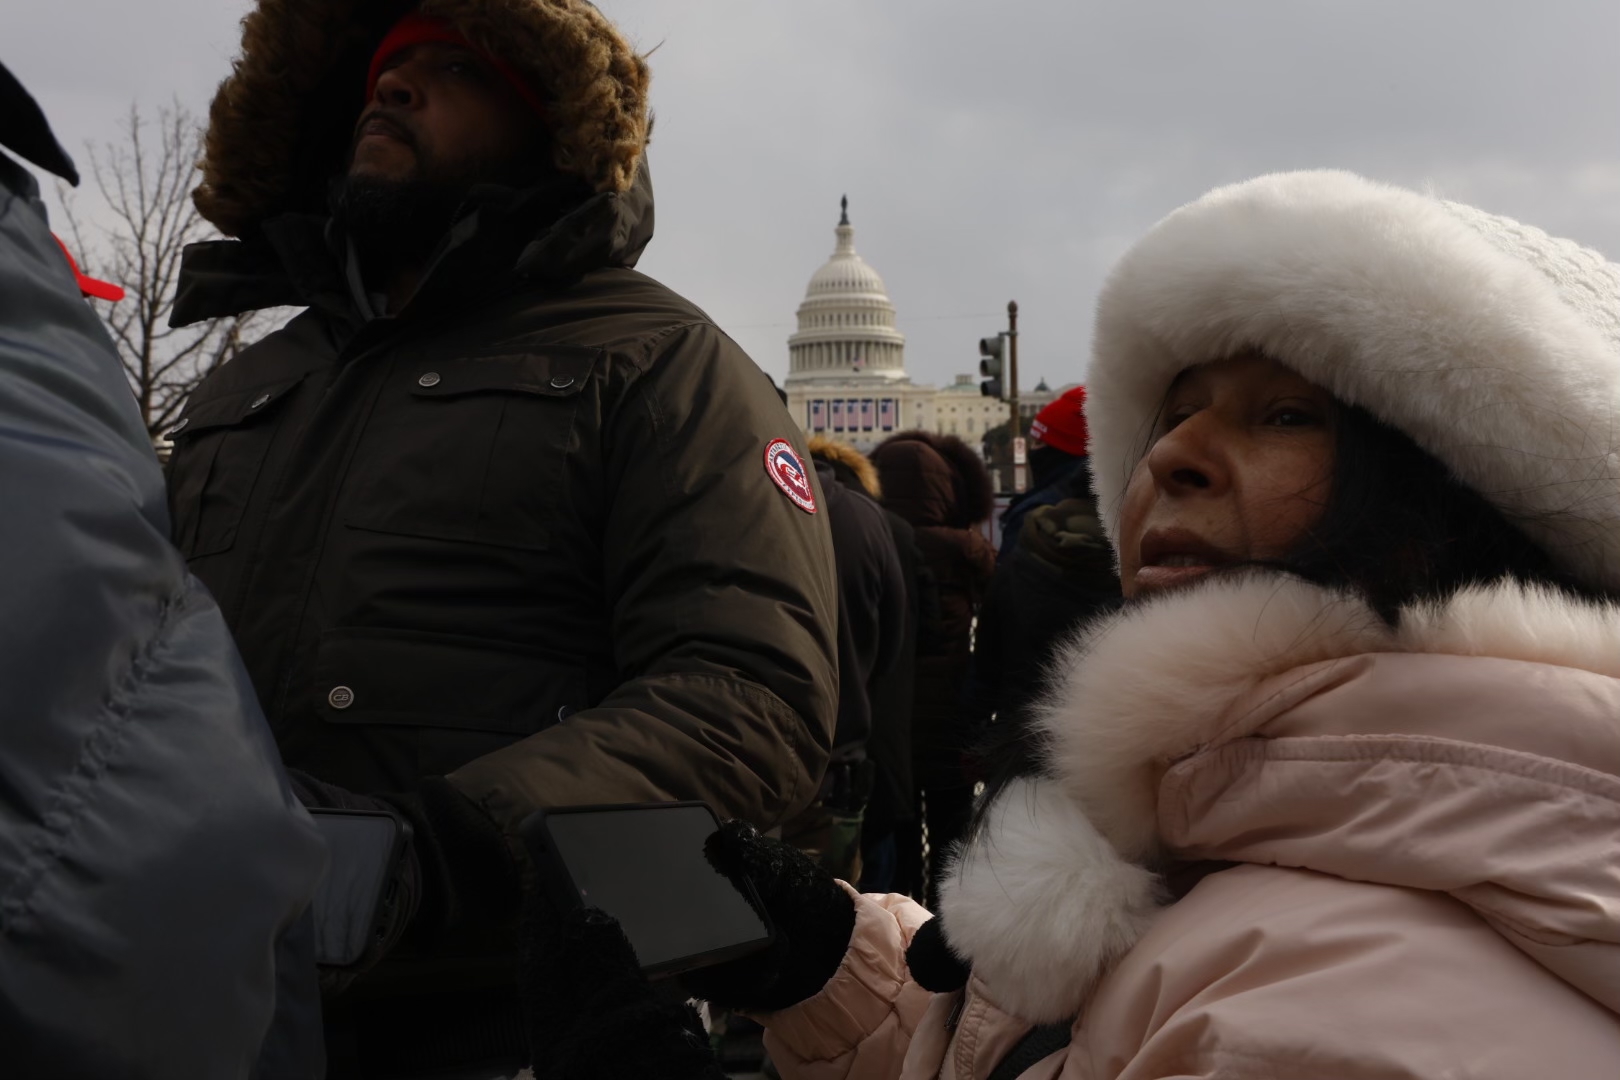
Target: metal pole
[[1012, 363], [1016, 426]]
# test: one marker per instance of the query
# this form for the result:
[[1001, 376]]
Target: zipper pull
[[956, 1012]]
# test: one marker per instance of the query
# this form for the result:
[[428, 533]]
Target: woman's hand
[[812, 914]]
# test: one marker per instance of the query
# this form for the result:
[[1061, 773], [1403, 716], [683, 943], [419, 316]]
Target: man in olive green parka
[[498, 522]]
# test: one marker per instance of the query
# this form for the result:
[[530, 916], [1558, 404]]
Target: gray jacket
[[155, 871]]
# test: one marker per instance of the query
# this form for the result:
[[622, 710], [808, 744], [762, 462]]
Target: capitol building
[[847, 364]]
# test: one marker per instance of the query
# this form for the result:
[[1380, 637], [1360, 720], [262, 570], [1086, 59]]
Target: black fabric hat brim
[[25, 131]]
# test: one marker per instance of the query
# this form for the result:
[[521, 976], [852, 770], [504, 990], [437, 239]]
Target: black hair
[[1400, 528]]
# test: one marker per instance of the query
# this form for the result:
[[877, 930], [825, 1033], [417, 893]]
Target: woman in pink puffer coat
[[1387, 784], [1337, 793]]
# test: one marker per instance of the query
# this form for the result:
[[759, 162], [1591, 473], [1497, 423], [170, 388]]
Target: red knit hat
[[1062, 424], [415, 29]]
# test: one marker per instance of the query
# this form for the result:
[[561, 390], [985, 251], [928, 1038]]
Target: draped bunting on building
[[846, 364]]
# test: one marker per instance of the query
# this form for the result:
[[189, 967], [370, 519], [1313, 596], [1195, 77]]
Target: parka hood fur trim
[[286, 109], [1493, 345], [1053, 888], [841, 453]]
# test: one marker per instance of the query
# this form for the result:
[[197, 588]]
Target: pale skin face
[[1240, 470]]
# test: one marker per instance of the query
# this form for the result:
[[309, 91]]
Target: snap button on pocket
[[562, 382], [429, 379], [341, 697], [565, 712]]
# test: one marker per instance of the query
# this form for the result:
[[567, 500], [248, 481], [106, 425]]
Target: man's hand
[[468, 872], [592, 1014], [455, 869], [402, 895]]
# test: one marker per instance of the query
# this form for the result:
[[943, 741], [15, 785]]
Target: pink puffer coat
[[1425, 827]]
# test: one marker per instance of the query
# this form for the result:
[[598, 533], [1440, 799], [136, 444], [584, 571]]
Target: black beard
[[394, 223]]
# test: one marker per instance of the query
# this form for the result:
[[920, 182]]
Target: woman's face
[[1239, 470]]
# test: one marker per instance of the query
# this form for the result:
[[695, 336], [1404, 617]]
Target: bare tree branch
[[146, 179]]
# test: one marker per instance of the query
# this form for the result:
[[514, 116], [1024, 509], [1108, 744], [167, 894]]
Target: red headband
[[415, 29]]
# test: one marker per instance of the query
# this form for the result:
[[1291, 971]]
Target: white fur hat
[[1493, 345]]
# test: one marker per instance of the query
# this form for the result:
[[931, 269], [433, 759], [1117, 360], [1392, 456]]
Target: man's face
[[441, 116]]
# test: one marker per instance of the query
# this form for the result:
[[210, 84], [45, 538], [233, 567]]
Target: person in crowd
[[1335, 793], [942, 489], [1057, 463], [497, 522], [886, 687], [156, 872], [872, 613], [1059, 575]]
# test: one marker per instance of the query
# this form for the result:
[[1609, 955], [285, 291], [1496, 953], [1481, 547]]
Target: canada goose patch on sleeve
[[786, 470]]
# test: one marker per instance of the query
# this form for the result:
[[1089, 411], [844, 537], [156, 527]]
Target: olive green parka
[[536, 531]]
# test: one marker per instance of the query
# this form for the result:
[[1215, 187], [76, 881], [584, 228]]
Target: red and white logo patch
[[786, 470]]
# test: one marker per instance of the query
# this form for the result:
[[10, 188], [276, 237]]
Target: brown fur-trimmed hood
[[934, 480], [281, 122], [841, 453]]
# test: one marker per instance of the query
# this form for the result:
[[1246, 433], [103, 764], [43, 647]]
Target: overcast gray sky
[[996, 150]]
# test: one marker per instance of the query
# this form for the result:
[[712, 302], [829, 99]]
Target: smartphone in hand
[[644, 865], [354, 900]]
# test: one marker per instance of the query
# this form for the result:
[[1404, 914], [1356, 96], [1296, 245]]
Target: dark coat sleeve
[[1034, 606], [872, 606], [887, 594], [983, 684], [980, 557], [891, 690], [724, 610], [155, 870]]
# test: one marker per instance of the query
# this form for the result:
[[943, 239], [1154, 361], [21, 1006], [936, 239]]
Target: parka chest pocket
[[437, 701], [472, 448], [219, 449]]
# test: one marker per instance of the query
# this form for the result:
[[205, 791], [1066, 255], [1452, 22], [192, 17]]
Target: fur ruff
[[1042, 904], [1494, 346], [1057, 886], [1132, 694], [975, 493], [282, 120], [841, 453]]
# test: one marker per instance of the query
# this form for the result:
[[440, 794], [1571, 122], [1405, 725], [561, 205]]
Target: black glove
[[814, 919], [592, 1014], [401, 897], [468, 873], [456, 867]]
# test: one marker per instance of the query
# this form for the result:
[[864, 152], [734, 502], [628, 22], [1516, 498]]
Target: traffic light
[[992, 354]]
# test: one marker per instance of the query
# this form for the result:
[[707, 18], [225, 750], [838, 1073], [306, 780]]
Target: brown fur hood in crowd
[[931, 479], [281, 123], [841, 454]]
